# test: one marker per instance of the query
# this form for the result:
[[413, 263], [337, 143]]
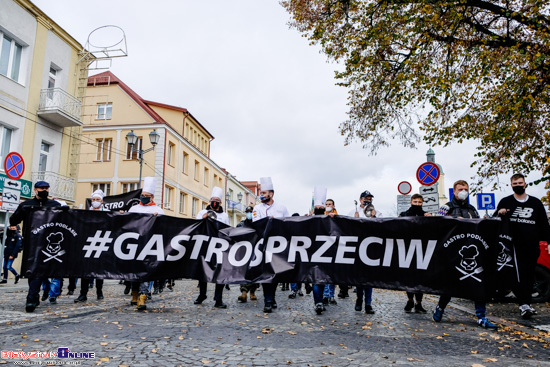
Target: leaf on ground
[[266, 330], [104, 343], [474, 352], [292, 332], [104, 359], [205, 361], [490, 360]]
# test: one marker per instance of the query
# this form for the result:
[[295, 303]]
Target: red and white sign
[[404, 187]]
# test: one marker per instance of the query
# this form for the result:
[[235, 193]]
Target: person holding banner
[[319, 198], [268, 208], [415, 211], [11, 250], [459, 207], [528, 226], [97, 205], [251, 287], [148, 206], [40, 200], [216, 207]]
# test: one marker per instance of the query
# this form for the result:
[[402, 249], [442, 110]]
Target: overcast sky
[[267, 96]]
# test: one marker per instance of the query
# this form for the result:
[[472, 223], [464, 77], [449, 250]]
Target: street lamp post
[[154, 137]]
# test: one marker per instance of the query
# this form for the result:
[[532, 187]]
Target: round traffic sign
[[404, 187], [427, 174], [14, 165]]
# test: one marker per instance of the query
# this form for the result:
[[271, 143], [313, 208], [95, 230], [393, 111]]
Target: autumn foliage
[[442, 71]]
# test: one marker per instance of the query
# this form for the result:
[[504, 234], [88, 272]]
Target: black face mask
[[318, 211], [42, 194], [10, 232], [144, 200], [215, 205], [416, 209], [518, 189]]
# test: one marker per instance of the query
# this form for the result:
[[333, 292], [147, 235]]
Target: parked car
[[541, 288]]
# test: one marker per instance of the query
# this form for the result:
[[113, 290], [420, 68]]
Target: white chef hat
[[149, 185], [319, 196], [266, 184], [98, 193], [217, 192]]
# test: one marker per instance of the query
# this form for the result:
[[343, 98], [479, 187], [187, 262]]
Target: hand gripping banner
[[439, 255]]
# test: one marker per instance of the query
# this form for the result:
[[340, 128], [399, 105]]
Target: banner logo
[[469, 262], [53, 249], [503, 257]]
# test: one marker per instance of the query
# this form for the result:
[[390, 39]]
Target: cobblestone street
[[175, 332]]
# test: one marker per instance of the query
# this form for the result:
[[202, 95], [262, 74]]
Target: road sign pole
[[4, 235]]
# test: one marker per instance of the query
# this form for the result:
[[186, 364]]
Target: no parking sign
[[14, 165]]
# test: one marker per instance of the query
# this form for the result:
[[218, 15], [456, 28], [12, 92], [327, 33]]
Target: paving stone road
[[175, 332]]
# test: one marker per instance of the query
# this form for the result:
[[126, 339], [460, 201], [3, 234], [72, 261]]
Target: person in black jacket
[[12, 248], [251, 287], [415, 211], [40, 200], [528, 226], [460, 208]]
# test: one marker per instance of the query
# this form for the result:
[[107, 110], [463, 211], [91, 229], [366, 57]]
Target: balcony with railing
[[61, 187], [59, 107]]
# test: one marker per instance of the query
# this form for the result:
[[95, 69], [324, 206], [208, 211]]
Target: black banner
[[119, 202], [438, 255]]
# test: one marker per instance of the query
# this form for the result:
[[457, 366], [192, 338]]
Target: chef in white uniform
[[268, 208], [215, 205], [146, 205]]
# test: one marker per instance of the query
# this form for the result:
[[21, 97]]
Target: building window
[[171, 153], [167, 197], [206, 175], [194, 206], [183, 202], [204, 205], [104, 111], [105, 187], [10, 58], [185, 163], [197, 166], [133, 154], [45, 149], [5, 140], [103, 149], [51, 81], [129, 186]]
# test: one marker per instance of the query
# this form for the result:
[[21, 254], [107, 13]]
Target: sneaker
[[526, 311], [369, 310], [409, 306], [319, 308], [3, 281], [17, 277], [80, 298], [170, 288], [332, 301], [300, 293], [438, 314], [292, 295], [53, 300], [533, 310], [274, 304], [419, 309], [484, 322], [268, 308]]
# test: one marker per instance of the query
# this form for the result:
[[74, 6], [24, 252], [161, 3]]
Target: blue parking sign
[[486, 201]]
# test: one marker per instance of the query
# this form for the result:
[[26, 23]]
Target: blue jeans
[[329, 291], [318, 293], [8, 266], [367, 292], [295, 287], [55, 287]]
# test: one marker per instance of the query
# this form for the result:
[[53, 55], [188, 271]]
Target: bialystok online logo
[[62, 353]]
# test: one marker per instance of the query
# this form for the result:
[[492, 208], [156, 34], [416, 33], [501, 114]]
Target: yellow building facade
[[180, 161]]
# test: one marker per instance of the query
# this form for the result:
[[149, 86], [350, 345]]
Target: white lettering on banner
[[114, 205], [295, 248], [126, 245], [328, 241]]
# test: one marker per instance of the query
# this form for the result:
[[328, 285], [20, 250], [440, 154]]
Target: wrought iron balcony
[[61, 187], [59, 107]]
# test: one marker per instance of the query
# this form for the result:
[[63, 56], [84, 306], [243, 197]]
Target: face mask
[[463, 195], [145, 200], [264, 199], [249, 216], [42, 194], [214, 205], [319, 211], [518, 189], [328, 209], [96, 204], [367, 202], [416, 209], [10, 232]]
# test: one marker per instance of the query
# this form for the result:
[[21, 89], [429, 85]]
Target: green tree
[[441, 71]]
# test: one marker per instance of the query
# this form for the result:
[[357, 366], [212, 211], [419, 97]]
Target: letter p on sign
[[486, 201]]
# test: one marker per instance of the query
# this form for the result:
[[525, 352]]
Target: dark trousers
[[527, 263], [85, 285], [33, 296], [218, 290], [269, 292], [480, 307], [417, 296]]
